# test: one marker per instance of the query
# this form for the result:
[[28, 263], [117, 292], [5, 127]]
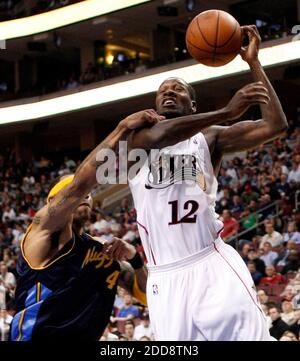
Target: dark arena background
[[70, 71]]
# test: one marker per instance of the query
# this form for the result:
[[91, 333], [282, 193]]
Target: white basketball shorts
[[207, 296]]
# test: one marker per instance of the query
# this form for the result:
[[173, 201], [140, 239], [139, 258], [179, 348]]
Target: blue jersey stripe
[[32, 307]]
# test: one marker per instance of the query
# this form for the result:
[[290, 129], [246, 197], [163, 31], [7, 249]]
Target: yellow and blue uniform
[[70, 298]]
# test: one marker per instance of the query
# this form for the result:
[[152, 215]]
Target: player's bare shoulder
[[211, 135]]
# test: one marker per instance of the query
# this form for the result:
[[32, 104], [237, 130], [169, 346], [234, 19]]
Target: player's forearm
[[172, 131], [85, 176], [272, 113]]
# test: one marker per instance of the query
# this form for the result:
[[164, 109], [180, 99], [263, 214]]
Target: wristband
[[136, 262]]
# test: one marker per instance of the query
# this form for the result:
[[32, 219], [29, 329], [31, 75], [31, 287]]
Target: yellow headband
[[59, 186]]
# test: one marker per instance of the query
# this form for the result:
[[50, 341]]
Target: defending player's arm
[[133, 276], [248, 134], [54, 216]]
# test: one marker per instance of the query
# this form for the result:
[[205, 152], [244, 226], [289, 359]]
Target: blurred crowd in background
[[257, 200]]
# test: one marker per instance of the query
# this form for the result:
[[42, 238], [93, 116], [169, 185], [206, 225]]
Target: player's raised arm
[[56, 216], [58, 210], [249, 134], [172, 131]]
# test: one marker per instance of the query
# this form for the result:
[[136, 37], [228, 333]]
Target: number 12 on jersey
[[191, 206]]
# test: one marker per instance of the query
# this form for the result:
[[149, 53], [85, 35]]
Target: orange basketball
[[214, 38]]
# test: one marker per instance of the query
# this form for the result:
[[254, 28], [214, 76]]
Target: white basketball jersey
[[176, 218]]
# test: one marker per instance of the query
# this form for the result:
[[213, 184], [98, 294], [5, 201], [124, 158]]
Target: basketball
[[214, 38]]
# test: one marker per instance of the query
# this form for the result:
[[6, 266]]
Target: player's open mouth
[[85, 204], [168, 102]]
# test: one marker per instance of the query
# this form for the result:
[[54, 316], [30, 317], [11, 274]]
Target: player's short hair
[[190, 89]]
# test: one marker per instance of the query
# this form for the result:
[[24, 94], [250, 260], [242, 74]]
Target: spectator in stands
[[237, 207], [245, 250], [101, 224], [295, 327], [296, 217], [72, 83], [296, 300], [271, 236], [249, 195], [70, 164], [288, 336], [262, 297], [256, 276], [2, 295], [265, 204], [283, 255], [294, 174], [265, 309], [292, 233], [223, 178], [288, 314], [129, 330], [131, 233], [89, 75], [231, 226], [292, 263], [249, 221], [18, 233], [8, 237], [108, 336], [288, 293], [268, 157], [8, 279], [9, 214], [128, 311], [242, 176], [283, 186], [259, 264], [144, 328], [119, 300], [278, 325], [272, 278], [231, 172], [9, 260], [268, 256], [5, 321]]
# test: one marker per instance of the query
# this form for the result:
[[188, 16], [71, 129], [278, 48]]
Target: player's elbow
[[282, 124], [280, 130], [277, 128]]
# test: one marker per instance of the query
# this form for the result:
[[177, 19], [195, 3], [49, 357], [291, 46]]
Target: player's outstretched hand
[[251, 94], [250, 53], [119, 250], [142, 119]]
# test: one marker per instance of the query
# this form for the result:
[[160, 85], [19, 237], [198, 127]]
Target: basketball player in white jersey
[[198, 287]]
